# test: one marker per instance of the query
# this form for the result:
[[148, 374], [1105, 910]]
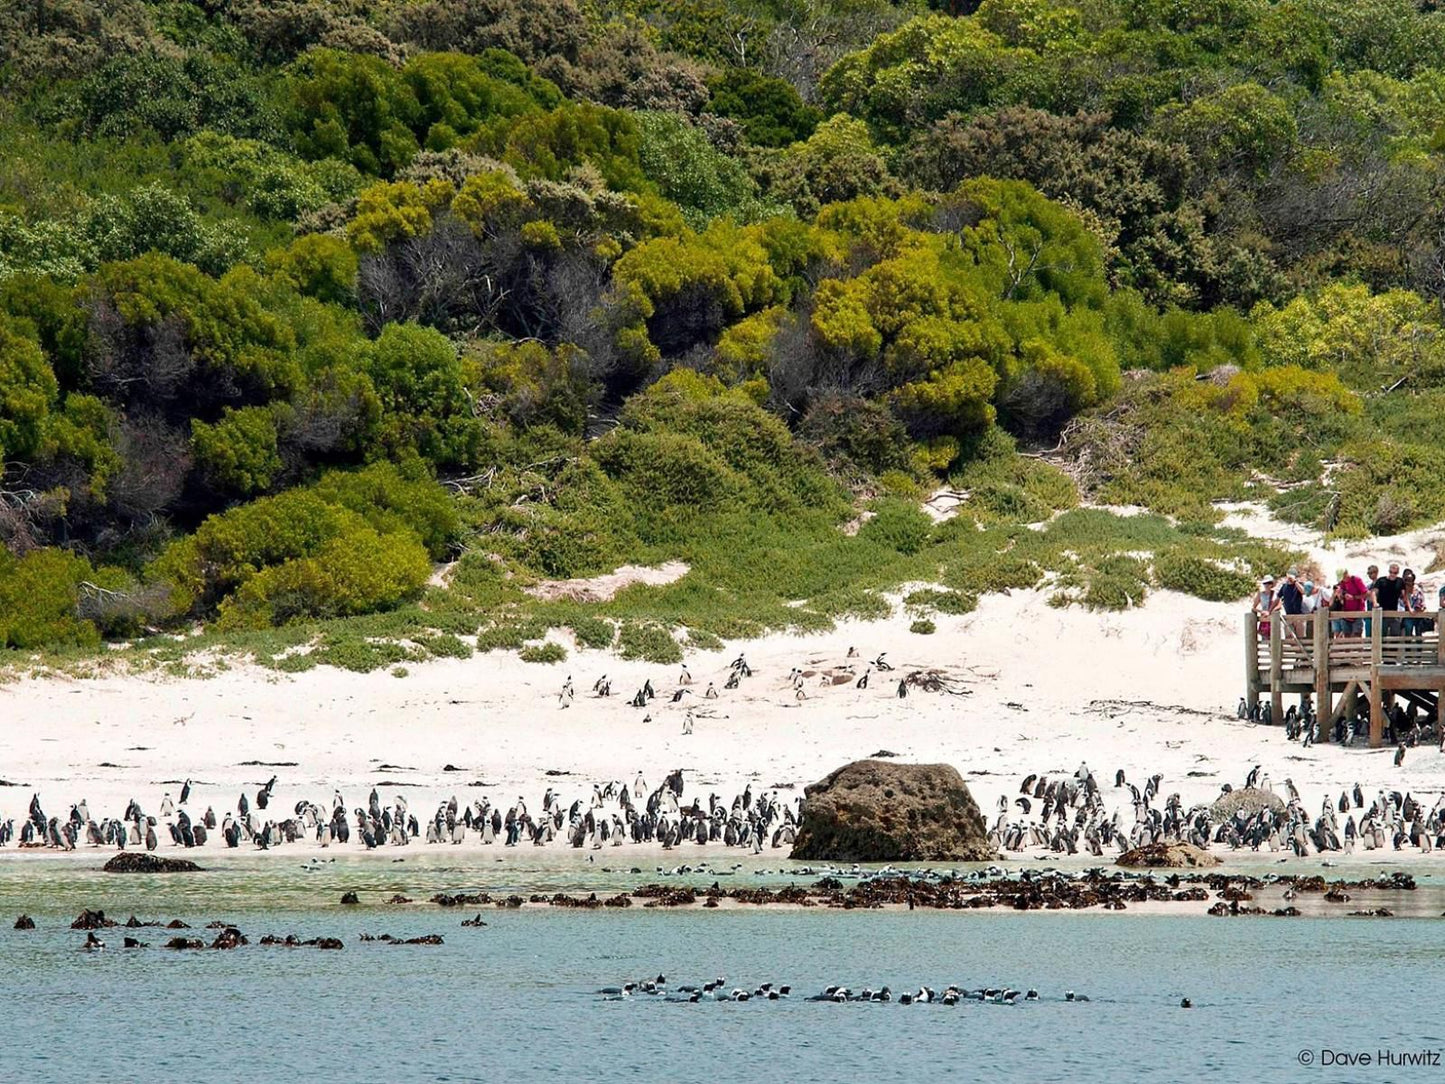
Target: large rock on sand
[[1167, 856], [876, 811], [1249, 799]]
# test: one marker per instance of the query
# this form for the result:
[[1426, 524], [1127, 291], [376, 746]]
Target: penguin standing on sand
[[902, 688], [862, 682]]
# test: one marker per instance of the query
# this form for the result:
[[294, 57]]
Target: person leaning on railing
[[1353, 596]]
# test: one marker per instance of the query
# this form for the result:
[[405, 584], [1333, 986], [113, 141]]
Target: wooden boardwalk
[[1299, 656]]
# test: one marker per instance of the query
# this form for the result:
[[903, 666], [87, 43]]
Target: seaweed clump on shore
[[132, 862]]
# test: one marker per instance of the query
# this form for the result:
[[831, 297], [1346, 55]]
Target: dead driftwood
[[1113, 707], [937, 681]]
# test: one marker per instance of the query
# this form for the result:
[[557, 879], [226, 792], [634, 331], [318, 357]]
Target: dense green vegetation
[[302, 301]]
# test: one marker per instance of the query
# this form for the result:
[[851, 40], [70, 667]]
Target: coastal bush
[[593, 632], [1201, 578], [649, 642], [356, 572], [39, 595], [944, 602], [703, 640], [895, 525], [923, 627], [549, 652]]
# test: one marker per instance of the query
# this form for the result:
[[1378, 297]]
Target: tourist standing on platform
[[1413, 603], [1387, 592], [1292, 600], [1354, 595], [1337, 605], [1265, 604], [1371, 575]]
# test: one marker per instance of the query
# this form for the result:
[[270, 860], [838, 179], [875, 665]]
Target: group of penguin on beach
[[738, 669], [1073, 810], [1073, 816]]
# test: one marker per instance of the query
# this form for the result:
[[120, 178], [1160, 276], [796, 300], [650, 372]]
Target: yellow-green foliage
[[238, 453], [38, 597], [356, 572]]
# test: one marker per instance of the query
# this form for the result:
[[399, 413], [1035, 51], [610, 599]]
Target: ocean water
[[517, 1000]]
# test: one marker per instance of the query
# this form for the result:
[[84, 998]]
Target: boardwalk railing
[[1302, 654]]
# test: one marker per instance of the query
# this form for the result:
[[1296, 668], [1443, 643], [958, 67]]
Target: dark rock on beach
[[873, 811], [133, 862], [1167, 855]]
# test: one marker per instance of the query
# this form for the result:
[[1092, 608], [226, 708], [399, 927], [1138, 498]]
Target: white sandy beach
[[1151, 690]]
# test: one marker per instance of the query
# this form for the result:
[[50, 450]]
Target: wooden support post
[[1322, 667], [1440, 660], [1377, 708], [1251, 658], [1345, 706], [1377, 711], [1276, 667]]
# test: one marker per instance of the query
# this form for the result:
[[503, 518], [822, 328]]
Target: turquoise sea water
[[516, 999]]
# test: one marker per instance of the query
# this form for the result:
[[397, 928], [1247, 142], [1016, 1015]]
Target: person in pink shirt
[[1355, 595]]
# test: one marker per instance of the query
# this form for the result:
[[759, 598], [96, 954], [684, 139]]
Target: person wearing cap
[[1266, 602], [1311, 601], [1372, 573], [1292, 600]]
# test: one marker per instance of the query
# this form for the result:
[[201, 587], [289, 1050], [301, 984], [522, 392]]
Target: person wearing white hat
[[1266, 602]]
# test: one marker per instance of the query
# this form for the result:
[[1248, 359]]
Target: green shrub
[[1201, 578], [662, 469], [923, 627], [359, 655], [238, 453], [39, 594], [649, 642], [593, 632], [551, 651], [702, 640], [444, 645], [898, 526], [509, 635], [1116, 583], [945, 602], [356, 573]]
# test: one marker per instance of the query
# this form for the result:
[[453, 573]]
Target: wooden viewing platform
[[1299, 656]]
